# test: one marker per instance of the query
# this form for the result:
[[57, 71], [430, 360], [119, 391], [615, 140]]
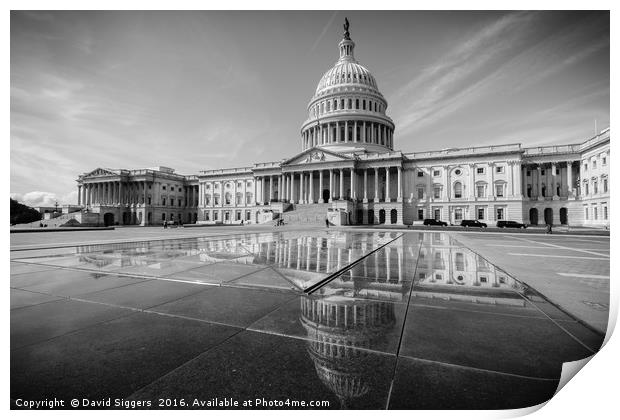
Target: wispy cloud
[[324, 31]]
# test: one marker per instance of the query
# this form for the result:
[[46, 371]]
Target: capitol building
[[350, 171]]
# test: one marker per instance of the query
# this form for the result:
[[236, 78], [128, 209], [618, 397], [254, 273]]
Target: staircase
[[53, 223], [306, 214]]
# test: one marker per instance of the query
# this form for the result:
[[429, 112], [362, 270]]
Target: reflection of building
[[348, 164]]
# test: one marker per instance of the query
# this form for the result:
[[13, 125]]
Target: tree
[[20, 213]]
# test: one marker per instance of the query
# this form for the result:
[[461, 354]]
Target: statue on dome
[[346, 29]]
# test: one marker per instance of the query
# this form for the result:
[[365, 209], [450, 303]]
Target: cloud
[[37, 198]]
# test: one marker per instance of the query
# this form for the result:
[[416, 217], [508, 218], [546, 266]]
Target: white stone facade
[[348, 162]]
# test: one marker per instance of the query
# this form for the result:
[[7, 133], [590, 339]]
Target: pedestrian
[[549, 228], [241, 222], [326, 222], [165, 224]]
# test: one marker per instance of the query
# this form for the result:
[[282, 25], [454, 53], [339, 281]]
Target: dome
[[347, 111], [347, 72]]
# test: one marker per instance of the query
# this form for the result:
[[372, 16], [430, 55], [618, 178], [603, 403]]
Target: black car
[[433, 222], [510, 224], [473, 223]]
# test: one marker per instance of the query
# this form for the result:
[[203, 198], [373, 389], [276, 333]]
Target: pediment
[[316, 155], [100, 172]]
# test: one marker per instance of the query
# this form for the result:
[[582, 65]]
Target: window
[[483, 279], [438, 277], [350, 103], [480, 213], [357, 104], [436, 172], [587, 215], [480, 191], [585, 166], [595, 187], [528, 173], [557, 171], [228, 198], [421, 213], [437, 214], [364, 104], [216, 199], [587, 188], [457, 172], [605, 185], [238, 215], [499, 169], [499, 213], [163, 216], [207, 200], [458, 190], [437, 192], [604, 160], [605, 216], [420, 174], [215, 215], [180, 190], [149, 200], [163, 201], [499, 190], [208, 186], [207, 216], [163, 187], [480, 170], [420, 193], [458, 214], [593, 164], [595, 213], [542, 171], [529, 190]]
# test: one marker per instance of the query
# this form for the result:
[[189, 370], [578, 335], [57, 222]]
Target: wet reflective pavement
[[400, 321]]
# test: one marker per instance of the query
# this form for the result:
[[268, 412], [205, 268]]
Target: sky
[[196, 90]]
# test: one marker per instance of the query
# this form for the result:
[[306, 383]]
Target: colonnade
[[117, 193], [299, 186], [539, 186], [348, 131]]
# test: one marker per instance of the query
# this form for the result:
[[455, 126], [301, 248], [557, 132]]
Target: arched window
[[357, 104], [364, 104], [458, 190]]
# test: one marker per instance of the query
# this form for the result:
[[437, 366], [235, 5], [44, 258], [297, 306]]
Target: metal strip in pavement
[[558, 256], [583, 276]]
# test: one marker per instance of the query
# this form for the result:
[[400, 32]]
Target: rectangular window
[[163, 187], [438, 277], [420, 174], [595, 187], [528, 173], [587, 214], [207, 217], [499, 213], [163, 201], [247, 215], [604, 160], [480, 191], [421, 214], [499, 169], [437, 214], [499, 190], [483, 279], [458, 214], [420, 193], [480, 214], [605, 216], [480, 170], [557, 171], [436, 173], [238, 215], [585, 165], [605, 185], [163, 216], [593, 164], [437, 192], [215, 215], [542, 171], [149, 201]]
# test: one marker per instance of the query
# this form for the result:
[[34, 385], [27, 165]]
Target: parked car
[[433, 222], [510, 224], [473, 223]]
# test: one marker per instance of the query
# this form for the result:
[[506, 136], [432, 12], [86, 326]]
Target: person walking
[[326, 222], [165, 224]]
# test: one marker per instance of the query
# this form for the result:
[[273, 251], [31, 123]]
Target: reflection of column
[[352, 187], [400, 265]]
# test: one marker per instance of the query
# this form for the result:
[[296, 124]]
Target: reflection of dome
[[338, 327], [347, 111]]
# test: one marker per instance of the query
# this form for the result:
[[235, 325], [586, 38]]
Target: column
[[293, 187], [352, 186], [281, 193], [365, 199], [341, 184], [109, 198], [539, 192], [301, 188], [201, 194], [321, 187], [388, 199], [376, 198], [364, 131], [511, 165], [120, 193], [524, 182], [399, 198], [569, 178], [79, 195], [517, 179], [144, 197], [554, 181], [271, 188], [337, 132], [331, 184], [491, 187], [311, 189]]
